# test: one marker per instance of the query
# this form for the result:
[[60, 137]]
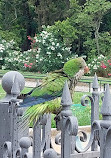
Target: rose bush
[[47, 53], [17, 60], [101, 65]]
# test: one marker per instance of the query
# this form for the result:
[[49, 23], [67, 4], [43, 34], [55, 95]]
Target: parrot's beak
[[86, 69]]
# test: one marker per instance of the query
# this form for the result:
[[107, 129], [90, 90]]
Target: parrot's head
[[73, 66]]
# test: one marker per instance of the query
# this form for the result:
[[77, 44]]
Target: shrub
[[50, 52], [101, 65], [5, 49], [47, 54], [17, 60]]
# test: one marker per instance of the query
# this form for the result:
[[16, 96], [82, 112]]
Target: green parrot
[[44, 98]]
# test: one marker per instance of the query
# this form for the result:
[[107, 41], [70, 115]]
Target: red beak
[[86, 69]]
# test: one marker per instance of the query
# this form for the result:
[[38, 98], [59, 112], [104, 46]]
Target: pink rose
[[25, 65], [29, 66], [103, 66]]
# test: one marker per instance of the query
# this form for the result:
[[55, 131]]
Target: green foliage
[[9, 35], [78, 29], [50, 11], [65, 31], [17, 21], [83, 26], [53, 123], [104, 45], [47, 54], [97, 8]]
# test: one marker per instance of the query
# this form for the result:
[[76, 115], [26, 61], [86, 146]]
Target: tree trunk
[[97, 23]]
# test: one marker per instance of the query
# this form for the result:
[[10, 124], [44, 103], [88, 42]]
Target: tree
[[17, 21], [95, 10], [83, 24], [49, 11]]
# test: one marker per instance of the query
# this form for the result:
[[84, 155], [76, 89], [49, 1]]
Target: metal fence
[[15, 141]]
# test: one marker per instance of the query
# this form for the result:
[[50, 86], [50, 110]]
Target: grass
[[82, 113], [3, 93]]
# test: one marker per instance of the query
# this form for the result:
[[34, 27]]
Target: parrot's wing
[[30, 101], [52, 84], [50, 89]]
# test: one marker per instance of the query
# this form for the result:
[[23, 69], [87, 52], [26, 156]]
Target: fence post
[[105, 137], [46, 131], [69, 124], [95, 96], [37, 140], [95, 108], [12, 82], [41, 135], [25, 143], [50, 153]]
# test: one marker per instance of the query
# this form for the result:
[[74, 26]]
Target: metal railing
[[15, 141]]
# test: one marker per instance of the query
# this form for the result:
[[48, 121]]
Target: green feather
[[52, 83], [72, 66], [34, 112]]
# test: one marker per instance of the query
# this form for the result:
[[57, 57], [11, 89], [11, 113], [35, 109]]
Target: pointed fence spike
[[15, 87], [95, 82], [66, 97], [106, 105]]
